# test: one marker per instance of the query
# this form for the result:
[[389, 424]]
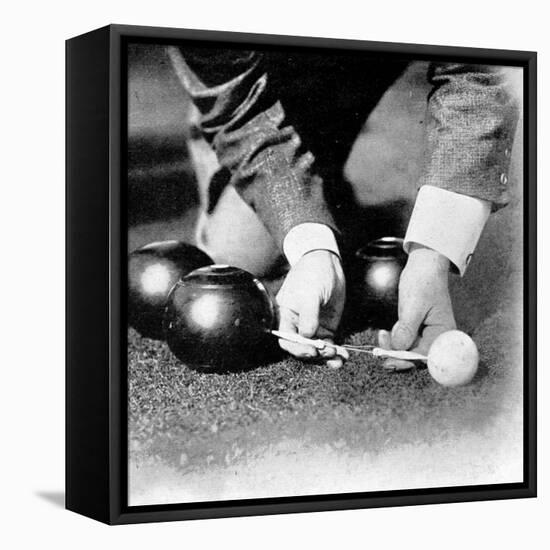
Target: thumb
[[308, 321], [405, 331]]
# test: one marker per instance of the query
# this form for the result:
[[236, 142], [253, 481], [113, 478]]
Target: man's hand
[[311, 302], [424, 307]]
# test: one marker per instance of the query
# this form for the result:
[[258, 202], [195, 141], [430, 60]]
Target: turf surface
[[188, 420]]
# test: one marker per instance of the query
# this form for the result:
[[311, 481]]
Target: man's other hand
[[424, 307]]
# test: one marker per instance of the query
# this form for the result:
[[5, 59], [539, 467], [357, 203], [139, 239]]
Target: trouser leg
[[327, 98], [227, 229]]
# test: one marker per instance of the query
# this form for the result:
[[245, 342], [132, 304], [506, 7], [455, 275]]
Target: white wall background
[[32, 272]]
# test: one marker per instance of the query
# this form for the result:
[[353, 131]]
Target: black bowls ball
[[152, 272], [380, 265], [218, 319]]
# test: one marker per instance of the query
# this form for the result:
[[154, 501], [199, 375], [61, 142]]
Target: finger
[[298, 350], [384, 339], [331, 350], [288, 323], [397, 365], [335, 363], [411, 314], [403, 335], [392, 364], [328, 351], [308, 317], [333, 358], [438, 321], [429, 334]]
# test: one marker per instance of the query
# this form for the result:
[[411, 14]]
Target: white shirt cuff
[[447, 222], [305, 237]]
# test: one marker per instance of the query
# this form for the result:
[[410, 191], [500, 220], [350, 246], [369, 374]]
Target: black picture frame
[[96, 390]]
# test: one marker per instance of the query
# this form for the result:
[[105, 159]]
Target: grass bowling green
[[207, 436]]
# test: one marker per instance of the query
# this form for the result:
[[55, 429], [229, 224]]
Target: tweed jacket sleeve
[[471, 120], [247, 128]]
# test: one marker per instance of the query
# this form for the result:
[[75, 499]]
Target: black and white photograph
[[325, 282]]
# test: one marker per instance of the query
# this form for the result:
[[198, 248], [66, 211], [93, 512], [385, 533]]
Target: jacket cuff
[[306, 237], [447, 222]]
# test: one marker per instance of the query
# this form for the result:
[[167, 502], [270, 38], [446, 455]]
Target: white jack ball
[[453, 359]]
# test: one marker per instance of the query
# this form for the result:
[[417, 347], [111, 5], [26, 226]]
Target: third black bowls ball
[[218, 319], [381, 263], [152, 272]]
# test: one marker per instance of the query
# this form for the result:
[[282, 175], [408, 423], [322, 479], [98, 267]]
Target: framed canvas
[[300, 274]]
